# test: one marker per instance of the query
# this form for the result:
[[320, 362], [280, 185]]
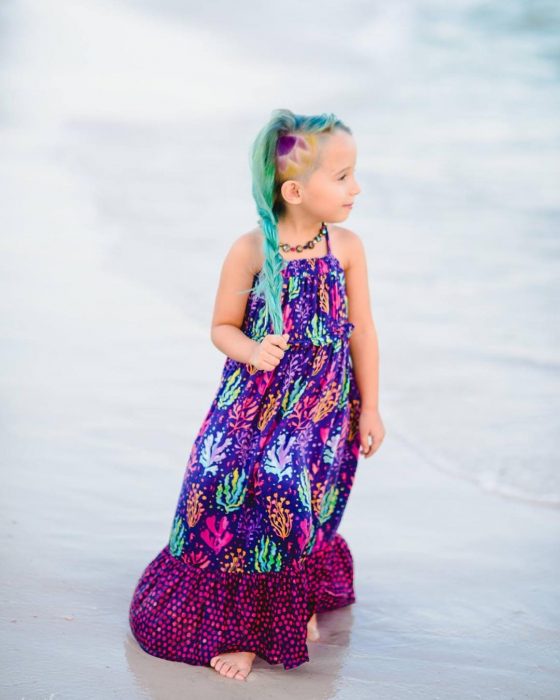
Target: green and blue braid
[[288, 147]]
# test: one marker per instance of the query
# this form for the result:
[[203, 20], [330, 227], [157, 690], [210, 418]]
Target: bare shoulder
[[346, 245], [246, 250]]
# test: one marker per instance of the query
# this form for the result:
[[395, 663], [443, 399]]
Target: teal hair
[[270, 205]]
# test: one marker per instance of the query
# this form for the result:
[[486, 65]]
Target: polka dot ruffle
[[181, 612]]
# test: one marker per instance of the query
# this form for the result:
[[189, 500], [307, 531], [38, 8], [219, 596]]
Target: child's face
[[333, 184]]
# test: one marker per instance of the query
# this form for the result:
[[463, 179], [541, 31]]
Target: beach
[[121, 193]]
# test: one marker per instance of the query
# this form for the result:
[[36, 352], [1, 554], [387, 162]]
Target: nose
[[357, 188]]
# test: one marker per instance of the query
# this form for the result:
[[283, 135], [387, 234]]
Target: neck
[[296, 231]]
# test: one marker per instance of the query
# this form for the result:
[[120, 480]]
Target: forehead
[[339, 151]]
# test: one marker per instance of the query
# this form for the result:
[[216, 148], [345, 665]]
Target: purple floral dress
[[254, 550]]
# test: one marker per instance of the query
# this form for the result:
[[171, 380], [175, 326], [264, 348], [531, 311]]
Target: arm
[[230, 303], [364, 346]]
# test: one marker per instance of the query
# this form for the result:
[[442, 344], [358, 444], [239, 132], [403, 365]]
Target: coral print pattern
[[253, 550]]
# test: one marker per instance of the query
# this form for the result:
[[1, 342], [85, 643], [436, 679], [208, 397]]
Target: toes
[[227, 667], [216, 662]]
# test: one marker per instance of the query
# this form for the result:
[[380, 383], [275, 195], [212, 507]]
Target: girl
[[254, 553]]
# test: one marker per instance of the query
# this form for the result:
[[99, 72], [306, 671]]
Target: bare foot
[[234, 664], [312, 629]]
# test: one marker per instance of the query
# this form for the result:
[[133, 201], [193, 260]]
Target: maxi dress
[[253, 549]]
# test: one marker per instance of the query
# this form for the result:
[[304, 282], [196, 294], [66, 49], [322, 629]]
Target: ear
[[291, 191]]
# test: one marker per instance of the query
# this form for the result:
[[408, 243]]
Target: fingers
[[280, 341], [366, 444], [370, 444], [269, 351], [267, 367], [273, 350]]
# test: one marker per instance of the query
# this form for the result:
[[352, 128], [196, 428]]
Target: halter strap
[[328, 239]]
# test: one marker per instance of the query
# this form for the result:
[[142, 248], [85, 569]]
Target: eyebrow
[[343, 169]]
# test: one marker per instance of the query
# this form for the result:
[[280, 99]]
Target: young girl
[[254, 553]]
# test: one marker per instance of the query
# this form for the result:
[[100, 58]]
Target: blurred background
[[125, 129]]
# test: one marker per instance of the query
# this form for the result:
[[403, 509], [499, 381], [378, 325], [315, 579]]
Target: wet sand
[[457, 592]]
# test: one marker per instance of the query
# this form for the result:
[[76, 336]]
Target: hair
[[288, 147]]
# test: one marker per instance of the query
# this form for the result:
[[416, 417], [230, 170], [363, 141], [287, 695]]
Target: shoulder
[[246, 250], [346, 245]]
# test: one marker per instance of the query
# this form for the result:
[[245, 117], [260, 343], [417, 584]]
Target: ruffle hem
[[181, 612]]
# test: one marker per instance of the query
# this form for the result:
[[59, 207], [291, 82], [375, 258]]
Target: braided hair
[[288, 147]]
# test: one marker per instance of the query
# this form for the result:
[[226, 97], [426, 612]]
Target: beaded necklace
[[310, 244]]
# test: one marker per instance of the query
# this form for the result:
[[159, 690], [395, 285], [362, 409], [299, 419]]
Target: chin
[[339, 216]]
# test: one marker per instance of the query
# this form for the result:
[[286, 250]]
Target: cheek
[[327, 192], [339, 189], [333, 190]]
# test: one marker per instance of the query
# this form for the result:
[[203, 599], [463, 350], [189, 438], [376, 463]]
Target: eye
[[342, 178]]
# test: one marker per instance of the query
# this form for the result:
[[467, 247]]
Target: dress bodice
[[314, 303]]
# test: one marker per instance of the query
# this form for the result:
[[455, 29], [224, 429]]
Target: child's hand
[[269, 351], [371, 426]]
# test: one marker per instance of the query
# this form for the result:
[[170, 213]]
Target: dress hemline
[[183, 613]]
